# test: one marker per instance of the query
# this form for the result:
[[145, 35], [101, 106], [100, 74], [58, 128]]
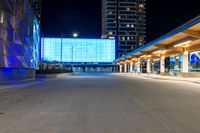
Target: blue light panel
[[77, 50]]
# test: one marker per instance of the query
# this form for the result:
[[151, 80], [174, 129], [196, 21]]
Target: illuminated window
[[141, 5], [110, 33], [127, 25], [1, 17], [110, 12], [128, 9], [132, 38]]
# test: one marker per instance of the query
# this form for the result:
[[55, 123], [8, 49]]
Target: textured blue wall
[[19, 40]]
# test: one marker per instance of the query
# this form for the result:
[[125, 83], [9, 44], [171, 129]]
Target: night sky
[[84, 16]]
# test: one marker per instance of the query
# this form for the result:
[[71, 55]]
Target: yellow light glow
[[149, 55], [164, 51], [143, 56], [183, 43], [186, 53], [156, 59], [159, 51], [163, 57]]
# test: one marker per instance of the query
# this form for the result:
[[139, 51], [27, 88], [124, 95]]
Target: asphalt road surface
[[101, 103]]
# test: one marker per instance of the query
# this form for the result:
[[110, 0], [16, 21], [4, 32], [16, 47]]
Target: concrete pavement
[[101, 103]]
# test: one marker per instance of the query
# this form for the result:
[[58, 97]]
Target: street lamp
[[75, 34], [62, 35]]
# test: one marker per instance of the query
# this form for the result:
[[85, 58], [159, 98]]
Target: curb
[[60, 75], [16, 81], [172, 79]]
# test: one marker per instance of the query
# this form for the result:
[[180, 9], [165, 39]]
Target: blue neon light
[[194, 59], [36, 41], [77, 50]]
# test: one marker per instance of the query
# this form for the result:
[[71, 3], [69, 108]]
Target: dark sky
[[84, 16]]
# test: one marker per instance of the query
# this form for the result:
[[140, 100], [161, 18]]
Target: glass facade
[[176, 63], [194, 61], [155, 67], [36, 43], [75, 50], [19, 35]]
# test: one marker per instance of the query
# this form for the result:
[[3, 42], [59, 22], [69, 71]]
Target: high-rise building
[[125, 21]]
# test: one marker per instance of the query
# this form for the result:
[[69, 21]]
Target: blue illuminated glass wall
[[36, 43], [75, 50]]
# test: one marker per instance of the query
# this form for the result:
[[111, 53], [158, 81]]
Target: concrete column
[[162, 65], [125, 68], [148, 66], [121, 68], [128, 68], [185, 68], [138, 66], [135, 67], [131, 67]]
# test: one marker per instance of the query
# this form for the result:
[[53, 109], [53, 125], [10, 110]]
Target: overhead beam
[[160, 46], [192, 33], [176, 49], [180, 41], [171, 53], [145, 52], [194, 48]]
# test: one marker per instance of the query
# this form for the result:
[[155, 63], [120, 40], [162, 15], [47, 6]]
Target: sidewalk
[[154, 76]]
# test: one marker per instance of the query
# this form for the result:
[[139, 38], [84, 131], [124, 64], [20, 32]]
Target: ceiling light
[[183, 43], [159, 51]]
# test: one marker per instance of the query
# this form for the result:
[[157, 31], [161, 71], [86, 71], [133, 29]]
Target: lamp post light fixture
[[75, 34], [62, 35]]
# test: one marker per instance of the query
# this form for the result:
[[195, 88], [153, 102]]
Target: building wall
[[124, 19], [19, 39], [36, 4], [77, 50]]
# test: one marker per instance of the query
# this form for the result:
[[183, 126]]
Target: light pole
[[74, 34], [61, 47]]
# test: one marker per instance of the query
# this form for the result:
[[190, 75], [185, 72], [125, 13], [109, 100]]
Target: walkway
[[101, 103]]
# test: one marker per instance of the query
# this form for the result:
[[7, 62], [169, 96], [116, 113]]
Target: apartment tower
[[125, 21]]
